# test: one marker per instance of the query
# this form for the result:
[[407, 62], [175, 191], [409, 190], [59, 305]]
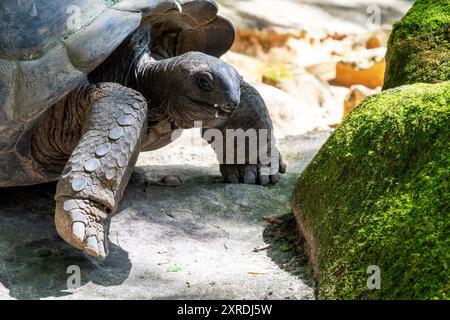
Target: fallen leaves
[[173, 269]]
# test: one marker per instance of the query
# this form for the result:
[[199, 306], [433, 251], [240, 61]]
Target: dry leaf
[[261, 248], [256, 273]]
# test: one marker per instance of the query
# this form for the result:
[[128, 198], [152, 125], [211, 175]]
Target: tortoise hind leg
[[99, 168]]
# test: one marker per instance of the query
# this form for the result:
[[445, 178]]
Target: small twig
[[282, 236], [256, 273], [261, 248], [163, 262], [170, 215]]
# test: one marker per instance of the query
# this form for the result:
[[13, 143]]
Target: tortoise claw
[[84, 225]]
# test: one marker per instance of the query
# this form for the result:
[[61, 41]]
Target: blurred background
[[312, 60]]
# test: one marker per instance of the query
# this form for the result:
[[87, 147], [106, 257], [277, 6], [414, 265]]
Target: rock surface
[[374, 197], [376, 194], [419, 45], [193, 241]]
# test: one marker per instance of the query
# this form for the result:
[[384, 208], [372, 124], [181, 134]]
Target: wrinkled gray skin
[[132, 102]]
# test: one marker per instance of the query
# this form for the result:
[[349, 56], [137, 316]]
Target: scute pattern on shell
[[44, 39], [43, 60]]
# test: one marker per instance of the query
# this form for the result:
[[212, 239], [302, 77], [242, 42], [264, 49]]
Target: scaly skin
[[98, 130], [251, 114], [97, 172]]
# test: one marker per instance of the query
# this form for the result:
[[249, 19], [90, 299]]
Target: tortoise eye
[[205, 83]]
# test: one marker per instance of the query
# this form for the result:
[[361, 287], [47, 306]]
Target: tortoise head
[[198, 87]]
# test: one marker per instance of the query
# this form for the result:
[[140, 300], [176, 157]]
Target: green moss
[[378, 193], [419, 45]]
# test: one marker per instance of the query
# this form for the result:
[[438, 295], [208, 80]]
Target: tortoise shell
[[47, 47]]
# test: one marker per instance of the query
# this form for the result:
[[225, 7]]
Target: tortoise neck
[[152, 78], [124, 64]]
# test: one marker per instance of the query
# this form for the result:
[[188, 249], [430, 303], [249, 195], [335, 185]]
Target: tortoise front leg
[[95, 177], [253, 158]]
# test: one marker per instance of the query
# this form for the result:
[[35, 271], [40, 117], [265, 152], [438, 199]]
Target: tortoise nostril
[[233, 99], [231, 107], [235, 102]]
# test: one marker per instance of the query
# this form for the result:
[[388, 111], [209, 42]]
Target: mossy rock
[[419, 45], [378, 193]]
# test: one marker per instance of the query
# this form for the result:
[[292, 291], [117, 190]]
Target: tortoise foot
[[84, 224]]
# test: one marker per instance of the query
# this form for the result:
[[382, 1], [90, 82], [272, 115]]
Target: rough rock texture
[[419, 46], [377, 193], [193, 241]]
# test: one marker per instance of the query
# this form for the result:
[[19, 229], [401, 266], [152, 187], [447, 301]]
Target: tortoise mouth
[[213, 110], [228, 108]]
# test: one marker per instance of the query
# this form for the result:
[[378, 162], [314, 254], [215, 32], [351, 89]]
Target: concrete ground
[[193, 241]]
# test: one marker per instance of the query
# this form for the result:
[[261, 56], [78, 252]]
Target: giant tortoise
[[85, 85]]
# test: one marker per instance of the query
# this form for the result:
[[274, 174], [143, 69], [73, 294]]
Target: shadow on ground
[[287, 249], [209, 228], [34, 259], [193, 241]]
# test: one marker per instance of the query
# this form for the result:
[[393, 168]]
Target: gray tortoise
[[85, 85]]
